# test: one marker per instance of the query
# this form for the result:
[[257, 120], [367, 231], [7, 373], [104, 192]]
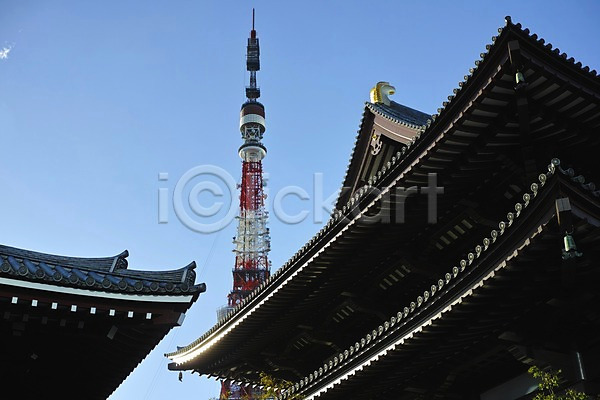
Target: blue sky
[[98, 98]]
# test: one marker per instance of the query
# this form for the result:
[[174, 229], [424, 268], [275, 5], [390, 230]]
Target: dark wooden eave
[[486, 322]]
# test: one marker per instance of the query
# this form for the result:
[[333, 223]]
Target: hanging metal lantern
[[570, 248], [519, 78]]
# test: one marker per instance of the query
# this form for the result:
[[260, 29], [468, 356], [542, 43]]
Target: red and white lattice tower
[[252, 243]]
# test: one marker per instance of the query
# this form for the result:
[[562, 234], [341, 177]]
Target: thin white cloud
[[4, 52]]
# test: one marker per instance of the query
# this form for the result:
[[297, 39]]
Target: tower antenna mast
[[252, 242]]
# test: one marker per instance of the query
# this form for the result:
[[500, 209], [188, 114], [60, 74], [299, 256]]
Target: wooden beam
[[514, 54]]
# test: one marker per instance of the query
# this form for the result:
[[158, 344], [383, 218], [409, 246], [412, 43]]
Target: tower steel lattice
[[252, 242]]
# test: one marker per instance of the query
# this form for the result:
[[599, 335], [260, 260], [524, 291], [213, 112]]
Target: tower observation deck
[[252, 242]]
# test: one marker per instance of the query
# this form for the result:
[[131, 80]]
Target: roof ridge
[[380, 109], [554, 50], [108, 273], [70, 261]]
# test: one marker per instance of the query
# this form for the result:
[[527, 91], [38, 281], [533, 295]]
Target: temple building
[[465, 248], [75, 328]]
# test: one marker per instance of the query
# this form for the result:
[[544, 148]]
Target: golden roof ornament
[[380, 93]]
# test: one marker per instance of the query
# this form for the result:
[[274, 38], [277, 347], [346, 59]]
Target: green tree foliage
[[274, 386], [548, 385]]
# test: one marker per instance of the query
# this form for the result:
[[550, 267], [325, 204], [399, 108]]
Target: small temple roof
[[101, 274], [93, 313], [414, 120]]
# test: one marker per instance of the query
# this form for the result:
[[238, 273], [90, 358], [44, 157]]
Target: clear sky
[[98, 98]]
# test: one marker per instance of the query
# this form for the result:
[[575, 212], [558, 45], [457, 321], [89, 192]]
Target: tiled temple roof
[[391, 169], [101, 274]]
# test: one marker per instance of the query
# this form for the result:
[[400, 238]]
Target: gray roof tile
[[400, 113]]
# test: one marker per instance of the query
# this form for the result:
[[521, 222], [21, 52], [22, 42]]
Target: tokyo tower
[[252, 242]]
